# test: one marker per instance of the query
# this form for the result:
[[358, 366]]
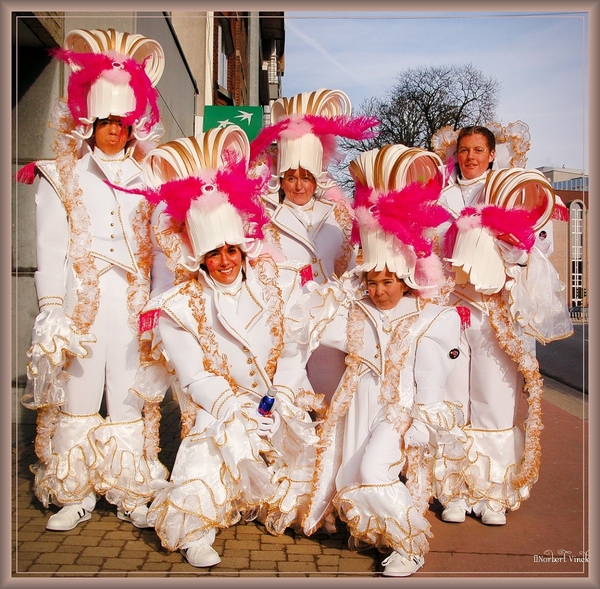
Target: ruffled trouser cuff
[[485, 477], [219, 477], [123, 472], [384, 516], [63, 475], [292, 465]]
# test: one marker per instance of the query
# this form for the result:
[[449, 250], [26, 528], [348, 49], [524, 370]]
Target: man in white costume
[[95, 258], [220, 329], [311, 218], [514, 296], [389, 413]]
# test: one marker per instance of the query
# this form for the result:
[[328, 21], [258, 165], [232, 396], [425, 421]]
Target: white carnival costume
[[515, 297], [96, 267], [226, 347], [392, 392], [315, 237]]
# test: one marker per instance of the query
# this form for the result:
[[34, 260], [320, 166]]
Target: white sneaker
[[67, 518], [396, 565], [137, 517], [492, 518], [201, 554], [453, 513]]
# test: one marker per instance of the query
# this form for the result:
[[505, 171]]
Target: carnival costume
[[226, 348], [315, 237], [96, 259], [515, 297], [392, 392]]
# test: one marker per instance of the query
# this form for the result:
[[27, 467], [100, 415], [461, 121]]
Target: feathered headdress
[[306, 128], [395, 203], [204, 183], [512, 145], [112, 73], [517, 203]]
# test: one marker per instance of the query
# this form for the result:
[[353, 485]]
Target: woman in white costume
[[514, 297], [311, 218], [389, 412], [220, 330], [96, 266]]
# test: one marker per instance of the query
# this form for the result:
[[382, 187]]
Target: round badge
[[454, 353]]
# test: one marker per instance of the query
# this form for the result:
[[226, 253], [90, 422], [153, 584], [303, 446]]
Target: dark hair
[[490, 138], [97, 120]]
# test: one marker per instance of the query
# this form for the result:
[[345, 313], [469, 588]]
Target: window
[[222, 58], [576, 231]]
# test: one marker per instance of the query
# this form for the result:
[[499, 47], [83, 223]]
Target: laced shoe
[[397, 565], [201, 554], [137, 517], [67, 518], [492, 518], [454, 513]]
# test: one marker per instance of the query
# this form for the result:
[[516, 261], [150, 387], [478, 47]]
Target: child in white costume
[[97, 263], [310, 217], [515, 297], [221, 330], [389, 412]]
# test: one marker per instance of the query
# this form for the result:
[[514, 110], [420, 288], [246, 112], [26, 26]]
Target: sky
[[539, 60]]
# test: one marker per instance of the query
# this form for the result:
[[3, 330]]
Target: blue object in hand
[[265, 407]]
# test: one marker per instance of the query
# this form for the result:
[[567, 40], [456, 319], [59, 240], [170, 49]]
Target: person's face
[[474, 156], [385, 289], [224, 263], [299, 185], [111, 135]]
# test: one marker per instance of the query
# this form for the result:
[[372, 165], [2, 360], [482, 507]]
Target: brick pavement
[[554, 519]]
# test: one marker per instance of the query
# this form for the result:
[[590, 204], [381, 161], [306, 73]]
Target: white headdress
[[517, 203], [512, 143], [113, 73], [204, 183], [306, 128], [397, 188]]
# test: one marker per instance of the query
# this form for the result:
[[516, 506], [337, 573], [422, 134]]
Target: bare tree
[[422, 101]]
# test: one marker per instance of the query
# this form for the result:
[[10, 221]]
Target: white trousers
[[113, 360]]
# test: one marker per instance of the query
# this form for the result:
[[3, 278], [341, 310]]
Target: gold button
[[254, 385], [252, 373], [314, 260], [245, 349], [112, 249], [112, 236], [249, 361], [316, 273]]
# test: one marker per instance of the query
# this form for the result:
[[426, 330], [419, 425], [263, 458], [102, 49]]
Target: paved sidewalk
[[546, 537]]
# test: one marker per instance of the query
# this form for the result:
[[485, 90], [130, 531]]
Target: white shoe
[[492, 518], [137, 517], [396, 565], [201, 554], [453, 513], [67, 518]]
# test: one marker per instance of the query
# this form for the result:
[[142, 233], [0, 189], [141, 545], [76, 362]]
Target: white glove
[[268, 424], [511, 254], [417, 435]]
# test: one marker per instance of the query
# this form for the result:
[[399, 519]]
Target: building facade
[[570, 256]]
